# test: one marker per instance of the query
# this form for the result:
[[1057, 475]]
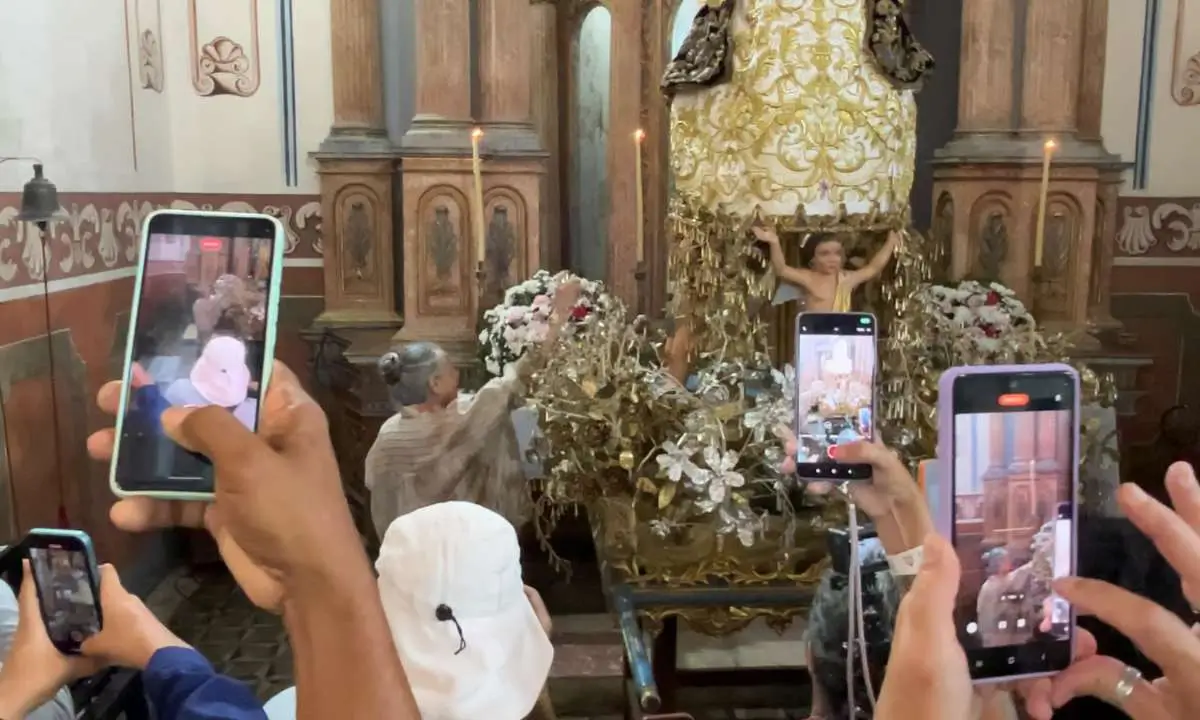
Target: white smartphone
[[835, 392], [201, 332]]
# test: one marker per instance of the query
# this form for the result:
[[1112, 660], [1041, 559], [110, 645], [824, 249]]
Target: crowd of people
[[443, 626]]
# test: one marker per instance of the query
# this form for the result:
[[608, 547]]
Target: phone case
[[944, 519], [268, 340], [83, 538]]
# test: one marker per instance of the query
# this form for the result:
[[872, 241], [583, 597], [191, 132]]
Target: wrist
[[152, 644], [15, 700]]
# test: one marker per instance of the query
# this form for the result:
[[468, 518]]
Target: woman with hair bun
[[430, 452]]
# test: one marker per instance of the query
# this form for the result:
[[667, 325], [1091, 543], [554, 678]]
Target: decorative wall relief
[[1185, 64], [101, 232], [1163, 227], [149, 41], [444, 273], [223, 66]]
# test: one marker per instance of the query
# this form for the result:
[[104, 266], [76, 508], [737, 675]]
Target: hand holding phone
[[1008, 448], [835, 392], [64, 572], [201, 332]]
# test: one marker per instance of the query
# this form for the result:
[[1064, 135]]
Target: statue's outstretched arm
[[878, 262]]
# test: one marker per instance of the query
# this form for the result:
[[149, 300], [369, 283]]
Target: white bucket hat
[[470, 643]]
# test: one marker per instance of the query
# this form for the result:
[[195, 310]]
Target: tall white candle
[[477, 198], [640, 204], [1039, 242]]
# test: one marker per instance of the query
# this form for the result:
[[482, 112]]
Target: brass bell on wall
[[39, 201]]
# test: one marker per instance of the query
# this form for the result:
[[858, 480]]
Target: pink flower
[[540, 300], [515, 315]]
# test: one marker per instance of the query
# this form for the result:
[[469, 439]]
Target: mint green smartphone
[[201, 332]]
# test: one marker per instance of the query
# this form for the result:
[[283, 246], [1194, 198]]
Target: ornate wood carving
[[990, 220], [506, 233], [149, 39], [355, 217], [1063, 232], [444, 264]]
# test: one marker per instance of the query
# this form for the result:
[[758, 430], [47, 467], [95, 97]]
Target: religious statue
[[801, 113], [827, 285]]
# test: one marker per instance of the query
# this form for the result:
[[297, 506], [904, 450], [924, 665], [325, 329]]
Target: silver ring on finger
[[1130, 677]]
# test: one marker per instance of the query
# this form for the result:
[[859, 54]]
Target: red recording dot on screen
[[833, 451], [210, 244], [1013, 400]]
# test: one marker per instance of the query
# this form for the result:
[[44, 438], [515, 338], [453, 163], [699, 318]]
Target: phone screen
[[199, 338], [835, 391], [1014, 486], [66, 592]]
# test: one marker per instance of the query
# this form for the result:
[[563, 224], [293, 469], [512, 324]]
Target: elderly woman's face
[[443, 386]]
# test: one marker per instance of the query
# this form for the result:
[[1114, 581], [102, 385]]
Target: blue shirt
[[182, 685]]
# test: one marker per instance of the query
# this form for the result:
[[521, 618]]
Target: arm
[[904, 528], [877, 263], [181, 684], [783, 271], [346, 665]]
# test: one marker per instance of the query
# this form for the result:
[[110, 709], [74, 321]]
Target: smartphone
[[201, 332], [1009, 454], [64, 571], [835, 392]]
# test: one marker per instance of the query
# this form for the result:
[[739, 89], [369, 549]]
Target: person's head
[[469, 637], [419, 374], [826, 253], [996, 562]]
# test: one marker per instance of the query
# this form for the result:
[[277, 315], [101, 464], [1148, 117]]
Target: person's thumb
[[110, 582], [289, 414], [213, 432], [27, 600]]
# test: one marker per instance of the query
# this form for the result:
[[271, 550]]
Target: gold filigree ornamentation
[[721, 621], [805, 122]]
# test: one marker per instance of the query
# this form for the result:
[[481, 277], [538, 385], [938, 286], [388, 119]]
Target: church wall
[[1151, 115], [106, 95]]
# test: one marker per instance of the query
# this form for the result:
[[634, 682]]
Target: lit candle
[[1039, 242], [477, 210], [640, 205]]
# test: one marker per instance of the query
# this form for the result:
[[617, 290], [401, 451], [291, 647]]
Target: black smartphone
[[64, 571], [835, 392]]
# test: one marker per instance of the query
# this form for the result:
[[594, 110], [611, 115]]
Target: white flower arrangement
[[985, 315], [522, 320]]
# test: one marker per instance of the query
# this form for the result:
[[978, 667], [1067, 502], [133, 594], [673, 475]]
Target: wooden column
[[357, 75], [985, 94], [442, 297], [505, 60], [988, 179], [442, 118], [1054, 37], [356, 167], [624, 119], [547, 118]]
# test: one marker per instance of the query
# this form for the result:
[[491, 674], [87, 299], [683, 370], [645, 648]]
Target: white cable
[[856, 626]]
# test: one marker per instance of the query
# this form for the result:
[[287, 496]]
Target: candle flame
[[1050, 144], [476, 133], [640, 135]]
